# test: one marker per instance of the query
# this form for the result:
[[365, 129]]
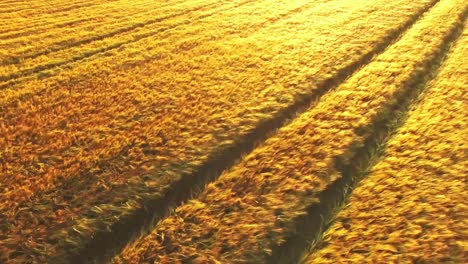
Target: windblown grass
[[412, 207], [252, 208]]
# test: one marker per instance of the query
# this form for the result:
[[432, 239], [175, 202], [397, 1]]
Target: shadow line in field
[[64, 8], [88, 40], [42, 69], [19, 33], [39, 26], [24, 75], [189, 185], [84, 171], [320, 216], [8, 32]]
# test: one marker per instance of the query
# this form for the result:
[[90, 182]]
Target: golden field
[[412, 207], [232, 131]]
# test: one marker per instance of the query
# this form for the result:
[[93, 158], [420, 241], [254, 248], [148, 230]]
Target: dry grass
[[252, 208], [42, 48], [106, 106], [412, 207], [86, 146]]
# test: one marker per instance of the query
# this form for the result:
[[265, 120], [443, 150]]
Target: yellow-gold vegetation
[[198, 131], [412, 208], [251, 208]]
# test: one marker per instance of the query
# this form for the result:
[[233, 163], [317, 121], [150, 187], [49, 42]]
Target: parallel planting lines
[[46, 7], [352, 171], [26, 149], [12, 34], [98, 45], [279, 106], [14, 75], [17, 69], [121, 17], [252, 209], [412, 206], [214, 116], [17, 23], [12, 6], [13, 72], [106, 13]]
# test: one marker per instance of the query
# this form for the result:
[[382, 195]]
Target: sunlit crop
[[236, 114], [412, 206]]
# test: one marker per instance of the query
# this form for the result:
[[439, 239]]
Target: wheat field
[[268, 131]]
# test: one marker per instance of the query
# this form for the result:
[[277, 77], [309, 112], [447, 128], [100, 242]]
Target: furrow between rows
[[24, 31], [47, 7], [250, 213], [122, 17], [12, 70], [412, 205], [220, 102]]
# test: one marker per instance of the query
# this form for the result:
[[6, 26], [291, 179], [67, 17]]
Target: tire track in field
[[37, 69], [261, 25], [352, 171], [181, 191], [62, 8], [40, 27], [14, 31], [263, 130], [15, 59], [253, 29], [21, 76], [44, 28], [270, 22], [107, 161], [288, 13]]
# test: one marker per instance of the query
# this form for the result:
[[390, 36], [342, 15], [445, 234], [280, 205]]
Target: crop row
[[32, 9], [412, 206], [123, 17], [37, 112], [39, 109], [46, 24], [20, 169], [252, 209], [19, 25], [90, 148], [97, 45]]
